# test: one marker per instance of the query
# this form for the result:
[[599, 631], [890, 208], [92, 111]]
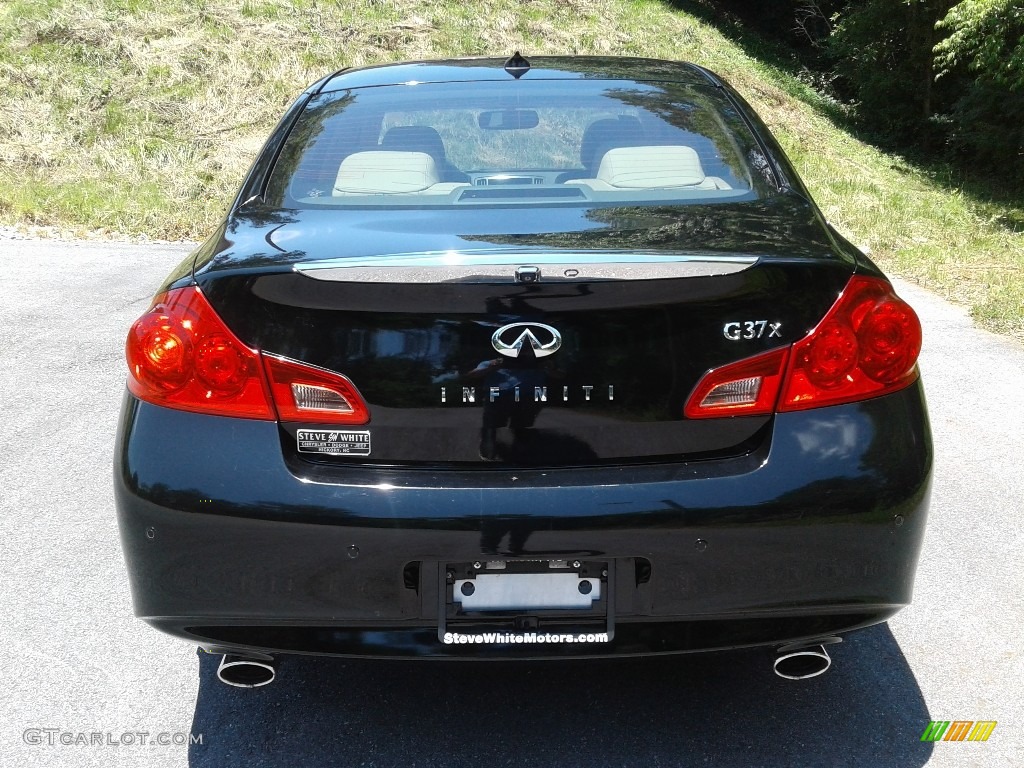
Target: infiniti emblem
[[509, 339]]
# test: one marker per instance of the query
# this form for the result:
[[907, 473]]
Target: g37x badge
[[751, 329]]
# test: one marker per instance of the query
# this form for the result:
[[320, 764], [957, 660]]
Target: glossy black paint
[[485, 69], [816, 530], [631, 354], [650, 341], [723, 533]]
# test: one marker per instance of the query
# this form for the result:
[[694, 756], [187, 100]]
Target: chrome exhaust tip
[[245, 671], [800, 661], [800, 665]]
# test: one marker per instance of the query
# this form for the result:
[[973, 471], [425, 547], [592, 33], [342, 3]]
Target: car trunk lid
[[526, 356]]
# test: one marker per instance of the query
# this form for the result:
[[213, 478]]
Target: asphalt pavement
[[86, 684]]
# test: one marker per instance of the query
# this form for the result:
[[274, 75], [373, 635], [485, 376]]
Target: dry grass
[[139, 117], [913, 225]]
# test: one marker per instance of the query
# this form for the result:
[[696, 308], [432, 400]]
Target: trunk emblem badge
[[507, 343]]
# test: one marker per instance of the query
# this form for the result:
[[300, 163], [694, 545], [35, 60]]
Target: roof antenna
[[517, 66]]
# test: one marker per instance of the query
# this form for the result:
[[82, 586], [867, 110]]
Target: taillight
[[305, 393], [181, 355], [865, 346]]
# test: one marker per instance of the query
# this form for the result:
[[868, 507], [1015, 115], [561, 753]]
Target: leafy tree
[[935, 79], [983, 53], [882, 54], [988, 37]]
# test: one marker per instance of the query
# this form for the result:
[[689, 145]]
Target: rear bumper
[[816, 532]]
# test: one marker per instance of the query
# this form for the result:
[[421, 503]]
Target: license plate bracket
[[517, 596]]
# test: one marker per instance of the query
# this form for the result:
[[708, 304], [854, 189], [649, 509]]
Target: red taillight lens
[[866, 345], [304, 393], [159, 351], [181, 355], [220, 365], [890, 341], [831, 355]]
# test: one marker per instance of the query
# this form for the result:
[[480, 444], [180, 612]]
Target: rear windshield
[[518, 143]]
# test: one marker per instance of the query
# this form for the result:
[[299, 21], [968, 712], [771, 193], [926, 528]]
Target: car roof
[[541, 68]]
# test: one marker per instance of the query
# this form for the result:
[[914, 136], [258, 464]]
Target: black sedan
[[522, 359]]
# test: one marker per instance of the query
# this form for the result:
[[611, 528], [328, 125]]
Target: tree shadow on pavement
[[725, 709]]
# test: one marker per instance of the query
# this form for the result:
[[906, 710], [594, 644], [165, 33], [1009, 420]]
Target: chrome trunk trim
[[506, 267]]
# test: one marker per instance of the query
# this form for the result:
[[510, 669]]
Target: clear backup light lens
[[733, 393], [310, 398], [306, 393], [749, 387]]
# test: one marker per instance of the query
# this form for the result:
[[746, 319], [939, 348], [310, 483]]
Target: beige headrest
[[385, 173], [651, 167]]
